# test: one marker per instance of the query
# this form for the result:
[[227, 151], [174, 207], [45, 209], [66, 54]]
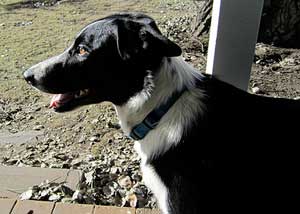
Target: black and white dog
[[183, 121]]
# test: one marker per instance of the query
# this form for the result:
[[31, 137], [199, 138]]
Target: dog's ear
[[135, 40]]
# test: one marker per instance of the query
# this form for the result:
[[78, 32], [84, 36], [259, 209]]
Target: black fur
[[250, 140]]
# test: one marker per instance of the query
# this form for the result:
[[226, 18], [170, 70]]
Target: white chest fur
[[155, 184], [172, 76]]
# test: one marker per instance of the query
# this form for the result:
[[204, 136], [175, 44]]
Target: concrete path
[[15, 180]]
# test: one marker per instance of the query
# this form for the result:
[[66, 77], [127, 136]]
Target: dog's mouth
[[68, 101]]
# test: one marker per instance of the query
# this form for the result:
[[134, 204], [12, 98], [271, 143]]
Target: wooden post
[[233, 35]]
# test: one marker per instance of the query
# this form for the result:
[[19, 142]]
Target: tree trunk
[[280, 22], [201, 24]]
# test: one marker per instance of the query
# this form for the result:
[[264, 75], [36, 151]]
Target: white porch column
[[233, 35]]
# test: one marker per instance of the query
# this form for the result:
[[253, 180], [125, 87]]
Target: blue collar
[[139, 131]]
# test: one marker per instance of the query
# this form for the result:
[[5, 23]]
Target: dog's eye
[[82, 51]]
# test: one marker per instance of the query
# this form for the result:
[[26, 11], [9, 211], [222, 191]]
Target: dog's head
[[108, 61]]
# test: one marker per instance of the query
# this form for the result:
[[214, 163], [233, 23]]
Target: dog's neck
[[173, 75]]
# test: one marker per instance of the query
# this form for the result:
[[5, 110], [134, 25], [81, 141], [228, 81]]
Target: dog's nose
[[29, 77]]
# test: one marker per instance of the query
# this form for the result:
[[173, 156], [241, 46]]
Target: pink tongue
[[60, 99]]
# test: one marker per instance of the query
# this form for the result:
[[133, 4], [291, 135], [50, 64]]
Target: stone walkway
[[14, 180], [12, 206]]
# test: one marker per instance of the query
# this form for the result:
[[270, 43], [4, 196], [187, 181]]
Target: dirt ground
[[30, 31]]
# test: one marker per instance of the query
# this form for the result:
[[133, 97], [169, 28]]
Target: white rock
[[54, 197], [77, 196], [89, 176], [125, 182], [45, 192], [26, 195], [94, 139], [43, 165], [255, 90]]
